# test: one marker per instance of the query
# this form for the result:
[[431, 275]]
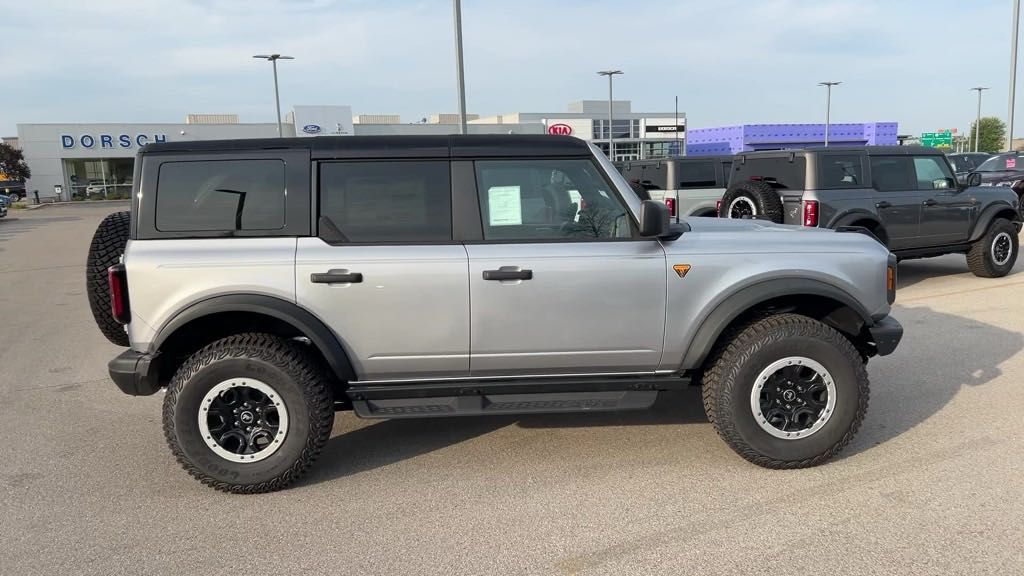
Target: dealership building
[[76, 160]]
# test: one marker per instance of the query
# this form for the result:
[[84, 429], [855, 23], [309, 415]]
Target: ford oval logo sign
[[560, 129], [311, 129]]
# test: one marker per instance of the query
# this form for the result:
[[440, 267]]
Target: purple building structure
[[750, 137]]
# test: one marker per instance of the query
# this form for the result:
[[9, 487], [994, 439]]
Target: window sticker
[[1011, 162], [504, 206]]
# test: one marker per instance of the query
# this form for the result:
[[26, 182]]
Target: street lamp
[[977, 123], [277, 99], [611, 134], [1013, 73], [828, 104], [459, 76]]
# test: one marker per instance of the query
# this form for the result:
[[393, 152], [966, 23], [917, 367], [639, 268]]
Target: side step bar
[[433, 399]]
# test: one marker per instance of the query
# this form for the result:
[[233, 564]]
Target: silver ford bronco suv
[[267, 284]]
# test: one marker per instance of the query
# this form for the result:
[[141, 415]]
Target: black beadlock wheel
[[786, 391], [106, 249], [752, 199], [995, 253], [249, 413]]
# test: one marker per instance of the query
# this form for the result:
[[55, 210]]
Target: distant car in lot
[[689, 186], [1006, 170], [965, 162], [3, 206], [907, 197], [95, 188]]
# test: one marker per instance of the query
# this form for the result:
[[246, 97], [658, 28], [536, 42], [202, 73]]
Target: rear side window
[[785, 174], [388, 201], [696, 174], [220, 195], [892, 173], [840, 171]]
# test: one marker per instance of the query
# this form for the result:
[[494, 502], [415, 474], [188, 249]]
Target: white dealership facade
[[80, 160]]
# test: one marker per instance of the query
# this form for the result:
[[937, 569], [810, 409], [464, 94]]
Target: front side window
[[892, 173], [388, 201], [548, 200], [220, 195], [840, 171], [932, 173]]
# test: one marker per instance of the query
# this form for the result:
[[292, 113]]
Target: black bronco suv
[[906, 196]]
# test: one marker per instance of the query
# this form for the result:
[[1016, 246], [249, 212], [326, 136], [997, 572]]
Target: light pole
[[458, 66], [277, 99], [1013, 74], [828, 104], [977, 123], [611, 134]]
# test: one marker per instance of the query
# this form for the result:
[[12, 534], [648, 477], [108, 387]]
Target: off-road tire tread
[[765, 197], [105, 250], [720, 380], [977, 257], [291, 357]]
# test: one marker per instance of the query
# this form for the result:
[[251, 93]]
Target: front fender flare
[[989, 214]]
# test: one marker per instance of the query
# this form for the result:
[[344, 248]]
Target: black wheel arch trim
[[855, 215], [988, 214], [748, 297], [299, 318]]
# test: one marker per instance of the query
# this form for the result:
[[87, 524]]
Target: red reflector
[[118, 280], [718, 208], [671, 203], [757, 178], [810, 212]]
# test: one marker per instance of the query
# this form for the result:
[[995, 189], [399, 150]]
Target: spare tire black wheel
[[750, 199], [106, 249]]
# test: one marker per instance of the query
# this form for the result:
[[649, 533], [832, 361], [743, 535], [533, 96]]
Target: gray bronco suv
[[267, 284], [907, 197]]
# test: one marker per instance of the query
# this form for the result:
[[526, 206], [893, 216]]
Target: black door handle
[[508, 274], [336, 277], [883, 204], [931, 202]]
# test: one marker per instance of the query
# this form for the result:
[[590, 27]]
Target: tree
[[12, 163], [993, 135]]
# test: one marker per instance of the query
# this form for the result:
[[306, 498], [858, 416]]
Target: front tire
[[995, 253], [786, 391], [248, 413]]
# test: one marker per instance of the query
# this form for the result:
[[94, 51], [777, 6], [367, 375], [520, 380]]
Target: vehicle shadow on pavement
[[933, 362], [913, 271]]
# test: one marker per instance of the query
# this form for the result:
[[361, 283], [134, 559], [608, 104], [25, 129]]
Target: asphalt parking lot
[[931, 485]]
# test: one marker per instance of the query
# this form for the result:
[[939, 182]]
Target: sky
[[728, 61]]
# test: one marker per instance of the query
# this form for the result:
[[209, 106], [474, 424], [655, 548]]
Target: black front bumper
[[886, 334], [135, 373]]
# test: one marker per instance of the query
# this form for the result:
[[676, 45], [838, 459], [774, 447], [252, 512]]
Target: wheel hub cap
[[793, 398], [1002, 248], [243, 420]]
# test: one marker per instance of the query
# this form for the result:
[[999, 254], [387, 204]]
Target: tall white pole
[[277, 98], [977, 121], [1013, 74], [458, 66], [828, 105]]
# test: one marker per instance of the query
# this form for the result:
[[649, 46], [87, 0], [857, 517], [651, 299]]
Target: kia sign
[[560, 129]]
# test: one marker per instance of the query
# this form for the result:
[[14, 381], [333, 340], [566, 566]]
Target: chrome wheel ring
[[243, 420], [1002, 249], [793, 398], [742, 206]]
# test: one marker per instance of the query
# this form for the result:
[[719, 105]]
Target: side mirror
[[654, 219], [971, 180]]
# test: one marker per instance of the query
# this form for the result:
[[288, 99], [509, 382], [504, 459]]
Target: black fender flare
[[989, 214], [299, 318], [848, 218], [744, 299]]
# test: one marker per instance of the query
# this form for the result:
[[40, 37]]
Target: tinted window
[[840, 171], [388, 201], [696, 174], [961, 163], [220, 195], [1000, 163], [784, 173], [932, 173], [548, 199], [726, 172], [892, 173]]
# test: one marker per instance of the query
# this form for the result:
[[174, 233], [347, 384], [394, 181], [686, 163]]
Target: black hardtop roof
[[869, 150], [655, 161], [442, 146]]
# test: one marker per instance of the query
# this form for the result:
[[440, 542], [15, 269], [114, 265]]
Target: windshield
[[1000, 163]]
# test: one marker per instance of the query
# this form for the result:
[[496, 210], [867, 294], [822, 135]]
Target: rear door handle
[[339, 276], [508, 274], [931, 202], [883, 204]]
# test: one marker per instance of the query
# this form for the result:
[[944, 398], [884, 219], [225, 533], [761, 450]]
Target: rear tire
[[257, 453], [106, 249], [995, 253], [786, 391], [754, 199]]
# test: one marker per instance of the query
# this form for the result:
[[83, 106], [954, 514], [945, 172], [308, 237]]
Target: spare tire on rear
[[752, 199], [108, 244]]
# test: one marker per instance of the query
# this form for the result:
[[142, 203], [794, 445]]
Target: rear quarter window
[[838, 171], [781, 171], [220, 195]]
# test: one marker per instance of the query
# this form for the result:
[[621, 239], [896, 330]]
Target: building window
[[663, 149], [624, 128], [101, 178], [627, 151]]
